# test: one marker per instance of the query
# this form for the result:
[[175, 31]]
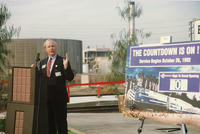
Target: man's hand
[[65, 61], [32, 65]]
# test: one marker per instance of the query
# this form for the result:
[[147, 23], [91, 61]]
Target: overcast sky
[[93, 21]]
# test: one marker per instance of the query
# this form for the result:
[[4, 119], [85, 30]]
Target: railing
[[98, 84], [4, 82], [92, 84]]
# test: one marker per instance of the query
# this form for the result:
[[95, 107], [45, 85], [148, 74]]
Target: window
[[198, 29]]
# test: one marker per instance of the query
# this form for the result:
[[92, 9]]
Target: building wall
[[104, 65], [194, 29], [97, 60], [197, 30], [25, 51]]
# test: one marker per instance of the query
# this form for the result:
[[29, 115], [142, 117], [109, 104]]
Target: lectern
[[26, 110]]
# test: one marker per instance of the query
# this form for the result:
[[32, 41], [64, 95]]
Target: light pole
[[131, 20]]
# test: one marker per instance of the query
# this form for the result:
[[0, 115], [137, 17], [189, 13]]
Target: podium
[[26, 109]]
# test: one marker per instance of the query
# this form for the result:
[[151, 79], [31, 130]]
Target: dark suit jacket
[[56, 83]]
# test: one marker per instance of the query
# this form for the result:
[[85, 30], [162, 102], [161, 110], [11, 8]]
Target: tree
[[118, 55], [6, 34]]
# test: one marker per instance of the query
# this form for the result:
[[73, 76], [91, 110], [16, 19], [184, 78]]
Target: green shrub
[[70, 132], [2, 125]]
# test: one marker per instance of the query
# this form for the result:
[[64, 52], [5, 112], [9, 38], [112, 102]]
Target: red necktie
[[48, 67]]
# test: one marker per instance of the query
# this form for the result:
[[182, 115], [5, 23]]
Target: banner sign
[[164, 78]]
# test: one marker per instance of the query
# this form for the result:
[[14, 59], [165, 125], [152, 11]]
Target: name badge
[[57, 74], [43, 66]]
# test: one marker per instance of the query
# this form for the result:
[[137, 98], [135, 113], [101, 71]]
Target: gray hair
[[44, 45]]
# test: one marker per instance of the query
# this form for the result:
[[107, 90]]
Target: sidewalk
[[115, 123], [85, 99]]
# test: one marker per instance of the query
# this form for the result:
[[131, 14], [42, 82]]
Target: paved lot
[[115, 123], [85, 99]]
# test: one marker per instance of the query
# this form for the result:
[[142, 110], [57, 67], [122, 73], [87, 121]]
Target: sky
[[93, 21]]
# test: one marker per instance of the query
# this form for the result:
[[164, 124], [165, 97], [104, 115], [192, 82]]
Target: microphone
[[37, 61], [37, 57]]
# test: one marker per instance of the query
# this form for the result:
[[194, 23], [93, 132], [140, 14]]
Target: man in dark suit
[[55, 71]]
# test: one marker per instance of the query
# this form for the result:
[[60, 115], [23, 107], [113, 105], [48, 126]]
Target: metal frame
[[182, 127], [141, 126]]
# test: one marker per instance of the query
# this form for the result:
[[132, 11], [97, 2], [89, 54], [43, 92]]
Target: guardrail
[[98, 84], [92, 84], [4, 82]]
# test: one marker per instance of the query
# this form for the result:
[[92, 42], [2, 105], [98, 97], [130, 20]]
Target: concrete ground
[[85, 99], [115, 123]]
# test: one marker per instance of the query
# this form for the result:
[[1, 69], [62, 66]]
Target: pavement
[[85, 99], [115, 123]]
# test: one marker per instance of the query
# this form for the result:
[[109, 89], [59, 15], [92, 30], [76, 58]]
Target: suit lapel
[[45, 63]]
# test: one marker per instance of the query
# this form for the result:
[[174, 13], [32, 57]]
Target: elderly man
[[56, 70]]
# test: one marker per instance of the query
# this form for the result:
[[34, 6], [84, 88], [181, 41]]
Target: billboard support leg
[[169, 129], [141, 126], [183, 127]]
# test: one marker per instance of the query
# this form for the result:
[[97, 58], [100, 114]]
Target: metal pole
[[131, 20], [141, 126], [184, 128]]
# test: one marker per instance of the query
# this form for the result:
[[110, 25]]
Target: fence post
[[98, 91], [68, 93]]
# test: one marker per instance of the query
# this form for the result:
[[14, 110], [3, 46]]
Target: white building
[[97, 60], [194, 29]]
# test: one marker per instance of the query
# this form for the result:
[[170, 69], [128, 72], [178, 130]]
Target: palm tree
[[118, 55]]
